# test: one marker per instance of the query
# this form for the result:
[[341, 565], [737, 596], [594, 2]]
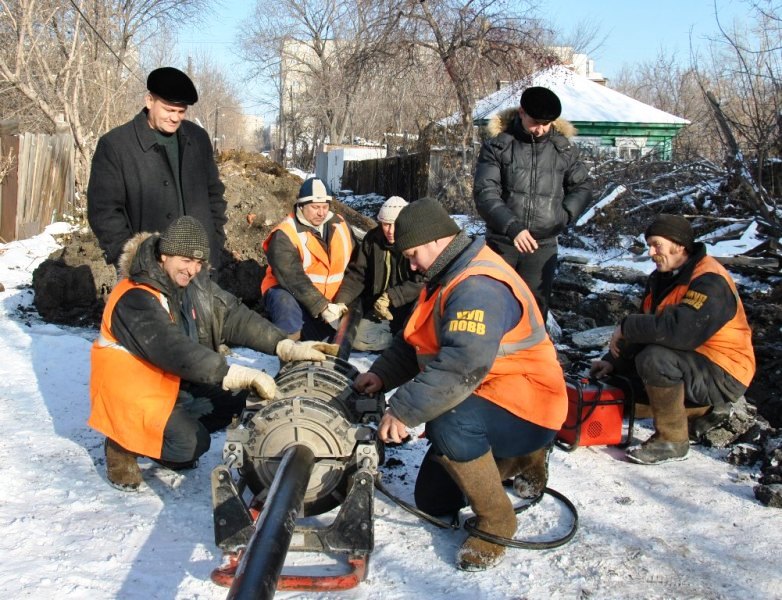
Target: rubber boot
[[670, 440], [480, 481], [122, 469], [709, 418], [529, 472]]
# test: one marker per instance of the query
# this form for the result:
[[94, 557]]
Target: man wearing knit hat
[[382, 279], [529, 186], [690, 345], [158, 384], [308, 253], [475, 364], [155, 168]]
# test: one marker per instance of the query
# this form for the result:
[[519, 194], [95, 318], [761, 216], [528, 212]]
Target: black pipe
[[257, 574], [348, 326]]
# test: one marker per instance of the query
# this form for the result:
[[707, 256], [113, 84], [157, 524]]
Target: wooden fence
[[412, 176], [40, 183]]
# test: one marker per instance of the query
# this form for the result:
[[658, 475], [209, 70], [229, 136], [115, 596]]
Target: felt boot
[[670, 440], [121, 467], [480, 481], [529, 472]]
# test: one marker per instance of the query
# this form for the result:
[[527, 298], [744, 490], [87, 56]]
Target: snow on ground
[[689, 529]]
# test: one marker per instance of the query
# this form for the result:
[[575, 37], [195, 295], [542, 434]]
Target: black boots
[[670, 440], [121, 467], [480, 481]]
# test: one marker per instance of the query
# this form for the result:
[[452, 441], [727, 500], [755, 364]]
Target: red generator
[[595, 412]]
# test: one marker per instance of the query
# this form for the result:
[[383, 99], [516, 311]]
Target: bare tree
[[318, 53], [75, 60], [477, 40]]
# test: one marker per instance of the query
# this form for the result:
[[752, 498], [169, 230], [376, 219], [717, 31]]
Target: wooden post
[[9, 146]]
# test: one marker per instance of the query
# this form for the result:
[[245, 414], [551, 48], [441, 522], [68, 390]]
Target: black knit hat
[[672, 227], [185, 237], [541, 104], [421, 222], [172, 85]]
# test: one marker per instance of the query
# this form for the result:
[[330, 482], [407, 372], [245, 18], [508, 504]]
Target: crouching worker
[[158, 384], [690, 345], [382, 278], [475, 364]]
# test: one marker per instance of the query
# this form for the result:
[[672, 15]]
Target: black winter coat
[[530, 183], [202, 317], [377, 268], [133, 190]]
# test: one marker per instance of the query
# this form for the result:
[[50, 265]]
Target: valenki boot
[[529, 472], [480, 481], [122, 468], [670, 440]]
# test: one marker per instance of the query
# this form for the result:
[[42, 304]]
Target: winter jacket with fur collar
[[184, 339], [523, 182]]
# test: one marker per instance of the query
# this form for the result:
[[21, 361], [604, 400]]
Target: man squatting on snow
[[690, 345], [158, 385], [474, 362]]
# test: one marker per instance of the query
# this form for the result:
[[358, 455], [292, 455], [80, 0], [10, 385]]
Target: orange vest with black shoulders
[[525, 378], [131, 398], [324, 269], [731, 346]]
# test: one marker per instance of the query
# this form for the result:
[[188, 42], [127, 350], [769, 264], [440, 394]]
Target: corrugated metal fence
[[40, 183]]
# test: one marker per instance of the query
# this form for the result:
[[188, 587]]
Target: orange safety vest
[[731, 346], [525, 378], [324, 269], [131, 398]]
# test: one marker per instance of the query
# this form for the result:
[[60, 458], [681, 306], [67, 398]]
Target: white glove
[[245, 378], [289, 350], [381, 307], [333, 313]]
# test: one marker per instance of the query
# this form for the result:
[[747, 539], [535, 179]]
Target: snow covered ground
[[689, 529]]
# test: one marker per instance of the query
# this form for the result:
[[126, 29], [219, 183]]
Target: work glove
[[381, 306], [245, 378], [333, 313], [288, 350]]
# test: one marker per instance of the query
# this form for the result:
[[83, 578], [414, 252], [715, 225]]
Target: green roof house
[[608, 122]]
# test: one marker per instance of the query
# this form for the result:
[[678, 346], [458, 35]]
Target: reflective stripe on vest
[[325, 270], [525, 377]]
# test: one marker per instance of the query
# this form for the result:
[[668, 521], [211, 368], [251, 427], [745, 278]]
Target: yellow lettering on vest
[[468, 326], [694, 299]]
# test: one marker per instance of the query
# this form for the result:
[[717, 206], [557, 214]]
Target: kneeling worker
[[475, 364], [158, 384], [690, 345]]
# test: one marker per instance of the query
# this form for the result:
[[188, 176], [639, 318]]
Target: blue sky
[[635, 31]]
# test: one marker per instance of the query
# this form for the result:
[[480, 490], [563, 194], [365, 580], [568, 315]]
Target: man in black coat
[[529, 186], [155, 168]]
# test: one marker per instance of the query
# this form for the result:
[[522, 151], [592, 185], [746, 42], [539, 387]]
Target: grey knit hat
[[672, 227], [421, 222], [185, 237]]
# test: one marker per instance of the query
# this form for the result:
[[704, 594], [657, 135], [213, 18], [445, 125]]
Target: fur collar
[[502, 122], [129, 251]]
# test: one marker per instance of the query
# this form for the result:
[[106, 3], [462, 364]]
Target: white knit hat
[[391, 209]]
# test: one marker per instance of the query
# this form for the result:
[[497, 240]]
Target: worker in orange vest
[[476, 365], [308, 253], [690, 345], [158, 384]]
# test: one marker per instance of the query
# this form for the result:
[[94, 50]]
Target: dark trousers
[[287, 314], [465, 433], [199, 411], [705, 383], [536, 269]]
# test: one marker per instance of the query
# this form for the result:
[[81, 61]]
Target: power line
[[105, 43]]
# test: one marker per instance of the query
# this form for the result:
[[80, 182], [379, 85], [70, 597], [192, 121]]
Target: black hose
[[469, 524]]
